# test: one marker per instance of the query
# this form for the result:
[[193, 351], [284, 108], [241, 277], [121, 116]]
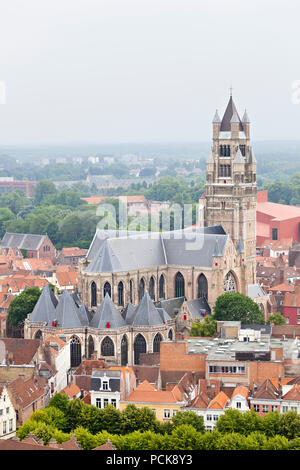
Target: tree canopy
[[237, 307], [22, 305]]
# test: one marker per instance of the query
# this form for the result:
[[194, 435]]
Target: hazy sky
[[146, 70]]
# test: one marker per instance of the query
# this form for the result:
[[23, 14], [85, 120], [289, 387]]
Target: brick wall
[[173, 356]]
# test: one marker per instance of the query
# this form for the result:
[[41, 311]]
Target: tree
[[5, 215], [289, 424], [59, 401], [43, 188], [134, 419], [111, 419], [22, 305], [189, 418], [276, 318], [237, 307], [206, 328]]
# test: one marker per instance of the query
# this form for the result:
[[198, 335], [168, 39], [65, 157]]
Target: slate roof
[[183, 247], [229, 112], [128, 311], [44, 310], [26, 241], [112, 375], [107, 313], [67, 313], [147, 314], [198, 307], [171, 306], [255, 290]]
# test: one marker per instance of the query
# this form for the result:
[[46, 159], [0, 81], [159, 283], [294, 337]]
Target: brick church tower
[[230, 195]]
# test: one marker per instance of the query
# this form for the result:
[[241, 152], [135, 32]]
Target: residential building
[[34, 246], [28, 395], [276, 221], [164, 403], [7, 414]]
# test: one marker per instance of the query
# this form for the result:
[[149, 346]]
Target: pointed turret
[[216, 119], [107, 315], [67, 312], [44, 310], [246, 118], [229, 113], [146, 313], [251, 158]]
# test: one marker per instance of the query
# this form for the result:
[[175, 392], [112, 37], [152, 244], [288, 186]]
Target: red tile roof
[[21, 350], [26, 391]]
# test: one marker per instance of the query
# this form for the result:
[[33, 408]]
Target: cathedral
[[171, 264], [139, 288]]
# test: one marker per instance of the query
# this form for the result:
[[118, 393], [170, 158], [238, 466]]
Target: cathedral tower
[[230, 195]]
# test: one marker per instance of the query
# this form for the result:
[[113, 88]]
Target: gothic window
[[107, 289], [179, 285], [75, 351], [170, 335], [93, 294], [229, 283], [91, 347], [221, 150], [229, 171], [107, 347], [38, 334], [152, 288], [228, 150], [139, 347], [141, 289], [156, 342], [121, 294], [243, 149], [162, 287], [131, 291], [221, 170], [202, 287], [124, 351]]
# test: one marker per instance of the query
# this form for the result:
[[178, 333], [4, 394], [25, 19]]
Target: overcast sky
[[116, 71]]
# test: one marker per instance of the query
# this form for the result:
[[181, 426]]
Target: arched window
[[229, 283], [107, 289], [107, 347], [124, 351], [75, 351], [131, 291], [179, 285], [139, 347], [38, 334], [202, 287], [170, 335], [121, 294], [93, 294], [141, 289], [91, 347], [156, 342], [152, 288], [162, 287]]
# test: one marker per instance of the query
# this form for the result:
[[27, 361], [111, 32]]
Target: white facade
[[7, 416], [62, 365]]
